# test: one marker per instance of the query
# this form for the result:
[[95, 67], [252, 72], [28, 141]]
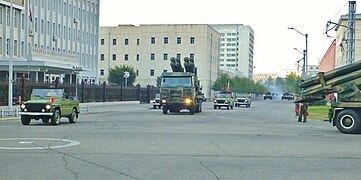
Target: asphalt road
[[137, 142]]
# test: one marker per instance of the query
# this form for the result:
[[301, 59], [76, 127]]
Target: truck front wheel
[[192, 110], [348, 121], [25, 120], [165, 110]]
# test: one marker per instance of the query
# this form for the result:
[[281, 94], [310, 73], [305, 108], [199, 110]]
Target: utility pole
[[350, 56], [11, 51]]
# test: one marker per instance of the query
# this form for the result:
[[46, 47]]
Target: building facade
[[148, 48], [341, 40], [237, 44], [45, 40]]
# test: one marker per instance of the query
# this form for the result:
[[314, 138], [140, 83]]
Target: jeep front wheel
[[72, 116], [55, 119], [25, 120]]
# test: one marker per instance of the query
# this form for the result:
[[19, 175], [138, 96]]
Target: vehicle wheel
[[219, 107], [215, 107], [25, 120], [154, 106], [55, 119], [72, 116], [165, 110], [348, 121], [228, 107], [192, 110], [231, 106], [159, 107], [200, 107], [264, 98], [45, 120]]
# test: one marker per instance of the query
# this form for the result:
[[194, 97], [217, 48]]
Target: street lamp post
[[305, 53]]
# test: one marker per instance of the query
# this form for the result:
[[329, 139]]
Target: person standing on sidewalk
[[302, 112]]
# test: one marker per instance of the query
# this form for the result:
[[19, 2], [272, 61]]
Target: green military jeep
[[224, 99], [49, 104]]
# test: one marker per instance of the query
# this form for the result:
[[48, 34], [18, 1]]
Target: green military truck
[[49, 105], [181, 90]]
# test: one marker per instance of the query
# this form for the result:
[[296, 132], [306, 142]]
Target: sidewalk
[[85, 108]]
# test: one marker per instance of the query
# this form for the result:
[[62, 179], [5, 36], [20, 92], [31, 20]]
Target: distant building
[[312, 70], [327, 63], [341, 40], [263, 77], [49, 39], [148, 48], [237, 44]]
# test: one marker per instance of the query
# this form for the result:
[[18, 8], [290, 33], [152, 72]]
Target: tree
[[221, 82], [238, 84], [292, 83], [116, 75]]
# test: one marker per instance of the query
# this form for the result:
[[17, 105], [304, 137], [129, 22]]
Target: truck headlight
[[188, 101], [164, 101]]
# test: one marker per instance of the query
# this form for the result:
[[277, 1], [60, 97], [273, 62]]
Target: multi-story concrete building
[[148, 48], [237, 42], [341, 40], [45, 39]]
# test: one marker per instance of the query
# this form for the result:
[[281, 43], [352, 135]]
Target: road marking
[[33, 146]]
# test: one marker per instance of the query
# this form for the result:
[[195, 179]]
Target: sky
[[274, 43]]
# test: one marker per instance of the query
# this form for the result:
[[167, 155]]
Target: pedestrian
[[297, 110], [302, 112]]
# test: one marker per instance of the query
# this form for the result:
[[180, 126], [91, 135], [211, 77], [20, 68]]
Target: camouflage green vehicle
[[49, 105], [224, 99], [181, 90]]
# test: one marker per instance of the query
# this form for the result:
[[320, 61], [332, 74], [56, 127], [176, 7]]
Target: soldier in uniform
[[302, 111]]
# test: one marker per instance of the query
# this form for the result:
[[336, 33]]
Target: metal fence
[[85, 92]]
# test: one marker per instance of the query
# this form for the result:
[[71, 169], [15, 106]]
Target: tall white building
[[46, 39], [237, 43], [148, 48]]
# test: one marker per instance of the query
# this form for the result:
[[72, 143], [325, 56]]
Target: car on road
[[49, 105], [268, 95], [224, 99], [156, 101], [243, 101], [287, 96]]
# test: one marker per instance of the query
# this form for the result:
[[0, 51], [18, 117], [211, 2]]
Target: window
[[137, 57], [101, 41], [1, 15], [152, 56], [114, 41], [152, 72], [164, 70], [102, 72], [179, 40], [165, 40], [178, 56], [15, 47], [8, 46], [126, 57], [152, 40], [138, 41], [192, 40], [102, 57], [137, 72], [8, 17], [1, 47], [191, 56], [126, 41], [114, 57], [165, 56]]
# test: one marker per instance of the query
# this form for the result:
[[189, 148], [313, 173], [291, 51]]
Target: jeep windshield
[[223, 95], [43, 93], [176, 81]]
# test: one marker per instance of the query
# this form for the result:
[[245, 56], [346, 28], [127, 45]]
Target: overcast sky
[[274, 43]]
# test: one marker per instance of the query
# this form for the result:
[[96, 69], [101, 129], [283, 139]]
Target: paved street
[[136, 142]]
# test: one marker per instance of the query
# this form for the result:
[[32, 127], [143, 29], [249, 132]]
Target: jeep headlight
[[215, 101], [48, 106], [226, 102], [22, 106]]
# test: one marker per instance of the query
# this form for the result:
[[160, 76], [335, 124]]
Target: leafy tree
[[221, 82], [292, 83], [116, 75]]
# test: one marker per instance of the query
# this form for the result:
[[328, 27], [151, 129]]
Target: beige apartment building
[[341, 40], [148, 48]]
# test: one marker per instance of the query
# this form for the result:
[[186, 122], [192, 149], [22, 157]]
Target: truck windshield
[[176, 81], [47, 93]]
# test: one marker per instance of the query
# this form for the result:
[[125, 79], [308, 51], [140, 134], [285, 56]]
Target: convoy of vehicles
[[49, 105], [181, 90], [345, 112]]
